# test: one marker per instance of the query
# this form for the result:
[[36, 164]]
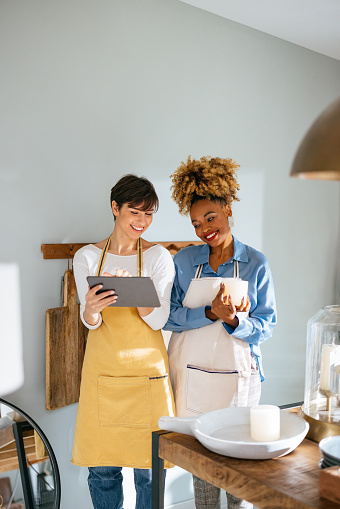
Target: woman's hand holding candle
[[265, 423], [222, 307]]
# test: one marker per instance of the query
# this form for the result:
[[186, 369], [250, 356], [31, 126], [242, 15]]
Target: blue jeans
[[106, 487]]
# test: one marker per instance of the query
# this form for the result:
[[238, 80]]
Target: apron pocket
[[209, 390], [124, 401]]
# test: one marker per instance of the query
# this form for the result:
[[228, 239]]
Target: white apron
[[209, 368]]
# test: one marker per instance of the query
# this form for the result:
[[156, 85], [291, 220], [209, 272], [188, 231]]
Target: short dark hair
[[136, 192]]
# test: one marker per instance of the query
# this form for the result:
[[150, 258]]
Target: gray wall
[[92, 90]]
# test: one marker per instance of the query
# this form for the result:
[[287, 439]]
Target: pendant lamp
[[318, 156]]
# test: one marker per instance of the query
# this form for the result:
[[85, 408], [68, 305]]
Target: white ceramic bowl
[[227, 432]]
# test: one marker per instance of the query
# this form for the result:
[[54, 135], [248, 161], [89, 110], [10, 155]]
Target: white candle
[[236, 288], [265, 423], [325, 367], [329, 357]]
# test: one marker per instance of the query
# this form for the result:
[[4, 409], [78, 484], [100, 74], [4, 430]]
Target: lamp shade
[[318, 156], [11, 358]]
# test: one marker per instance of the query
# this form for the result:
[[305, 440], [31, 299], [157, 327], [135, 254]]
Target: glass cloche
[[321, 406]]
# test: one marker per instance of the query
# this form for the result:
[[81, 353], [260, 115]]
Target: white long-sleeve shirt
[[157, 264]]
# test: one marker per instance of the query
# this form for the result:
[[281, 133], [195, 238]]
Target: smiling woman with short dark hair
[[125, 386]]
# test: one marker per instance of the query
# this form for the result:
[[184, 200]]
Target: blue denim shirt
[[253, 267]]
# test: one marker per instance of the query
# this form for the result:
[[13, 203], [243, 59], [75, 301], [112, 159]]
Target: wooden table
[[288, 482]]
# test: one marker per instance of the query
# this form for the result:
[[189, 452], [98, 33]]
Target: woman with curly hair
[[214, 351]]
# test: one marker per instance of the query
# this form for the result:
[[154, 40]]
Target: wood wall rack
[[67, 251]]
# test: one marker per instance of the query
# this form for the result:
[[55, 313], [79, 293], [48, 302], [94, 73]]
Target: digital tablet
[[132, 291]]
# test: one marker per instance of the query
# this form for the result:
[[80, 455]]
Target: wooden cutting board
[[65, 347]]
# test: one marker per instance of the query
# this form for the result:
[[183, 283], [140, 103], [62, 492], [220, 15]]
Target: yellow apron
[[125, 388]]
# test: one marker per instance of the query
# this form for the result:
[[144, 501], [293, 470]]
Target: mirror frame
[[56, 473]]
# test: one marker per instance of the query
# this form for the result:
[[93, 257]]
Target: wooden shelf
[[67, 251]]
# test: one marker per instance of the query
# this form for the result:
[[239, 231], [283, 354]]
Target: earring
[[231, 221]]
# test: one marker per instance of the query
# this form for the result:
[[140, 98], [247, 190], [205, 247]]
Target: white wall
[[92, 90]]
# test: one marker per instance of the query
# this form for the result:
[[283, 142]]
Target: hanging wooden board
[[65, 346]]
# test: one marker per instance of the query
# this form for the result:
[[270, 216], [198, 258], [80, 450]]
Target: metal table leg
[[158, 476], [18, 428]]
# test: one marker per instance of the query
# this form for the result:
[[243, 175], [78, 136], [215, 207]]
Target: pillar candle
[[265, 423], [329, 357], [236, 288], [325, 367]]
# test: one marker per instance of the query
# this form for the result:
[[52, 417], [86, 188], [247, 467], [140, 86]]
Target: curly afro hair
[[210, 178]]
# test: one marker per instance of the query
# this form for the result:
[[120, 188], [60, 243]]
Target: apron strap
[[199, 271], [103, 256], [236, 270], [140, 259]]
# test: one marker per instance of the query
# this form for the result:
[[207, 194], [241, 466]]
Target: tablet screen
[[132, 291]]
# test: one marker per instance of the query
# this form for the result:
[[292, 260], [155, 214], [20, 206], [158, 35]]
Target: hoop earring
[[231, 221]]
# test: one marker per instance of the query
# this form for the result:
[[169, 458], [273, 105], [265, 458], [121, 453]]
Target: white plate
[[330, 448], [227, 432]]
